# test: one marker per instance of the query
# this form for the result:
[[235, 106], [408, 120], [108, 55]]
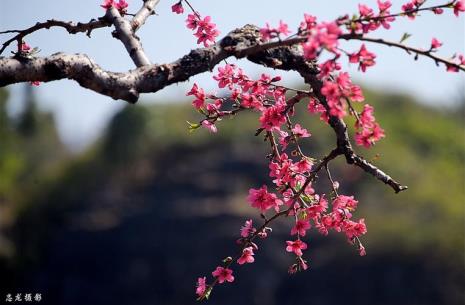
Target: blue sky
[[82, 114]]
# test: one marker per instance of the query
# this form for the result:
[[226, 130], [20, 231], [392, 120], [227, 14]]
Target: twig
[[145, 12], [408, 49], [70, 27], [126, 35]]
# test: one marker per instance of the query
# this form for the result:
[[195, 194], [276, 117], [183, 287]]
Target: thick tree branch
[[145, 12], [129, 85], [127, 36]]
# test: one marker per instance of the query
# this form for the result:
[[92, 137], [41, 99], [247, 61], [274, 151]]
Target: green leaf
[[192, 126], [405, 37]]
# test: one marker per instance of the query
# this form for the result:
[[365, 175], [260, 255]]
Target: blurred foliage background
[[148, 208]]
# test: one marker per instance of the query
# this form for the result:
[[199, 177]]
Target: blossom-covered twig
[[416, 51]]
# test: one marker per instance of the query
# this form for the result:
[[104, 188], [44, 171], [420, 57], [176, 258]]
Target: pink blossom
[[354, 229], [366, 117], [331, 90], [121, 6], [107, 4], [361, 250], [384, 12], [296, 246], [384, 6], [250, 101], [363, 57], [365, 11], [300, 227], [315, 107], [223, 274], [435, 44], [451, 68], [177, 8], [459, 6], [300, 132], [368, 137], [192, 21], [225, 76], [263, 200], [343, 202], [328, 67], [200, 97], [272, 117], [268, 32], [302, 166], [206, 30], [284, 139], [247, 229], [283, 28], [324, 36], [308, 24], [246, 257], [209, 125], [201, 286], [280, 169], [410, 8], [24, 47]]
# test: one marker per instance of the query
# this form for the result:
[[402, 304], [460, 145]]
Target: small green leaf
[[192, 126], [405, 37]]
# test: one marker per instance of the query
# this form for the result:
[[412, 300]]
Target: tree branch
[[145, 12], [152, 78], [70, 27], [409, 50], [125, 33]]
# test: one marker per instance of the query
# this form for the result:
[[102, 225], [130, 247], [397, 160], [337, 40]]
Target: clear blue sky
[[81, 114]]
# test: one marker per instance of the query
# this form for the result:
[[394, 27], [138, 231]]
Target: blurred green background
[[138, 216]]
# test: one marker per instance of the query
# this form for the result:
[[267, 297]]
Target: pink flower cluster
[[337, 92], [263, 200], [368, 21], [245, 93], [368, 131], [410, 8], [206, 31], [121, 5], [287, 172], [268, 32], [363, 57], [320, 36]]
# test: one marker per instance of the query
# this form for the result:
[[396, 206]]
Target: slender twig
[[328, 173], [408, 12], [408, 49], [70, 27]]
